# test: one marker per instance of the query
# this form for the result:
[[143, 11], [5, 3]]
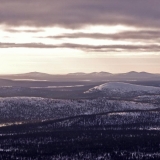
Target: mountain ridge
[[78, 76]]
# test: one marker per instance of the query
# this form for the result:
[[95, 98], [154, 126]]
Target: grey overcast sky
[[58, 37]]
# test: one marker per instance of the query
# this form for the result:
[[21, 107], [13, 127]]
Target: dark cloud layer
[[27, 31], [129, 35], [89, 48], [78, 13]]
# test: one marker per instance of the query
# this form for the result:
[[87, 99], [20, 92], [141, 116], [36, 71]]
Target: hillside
[[28, 109], [121, 89]]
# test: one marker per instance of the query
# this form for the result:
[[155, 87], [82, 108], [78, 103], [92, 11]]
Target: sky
[[59, 37]]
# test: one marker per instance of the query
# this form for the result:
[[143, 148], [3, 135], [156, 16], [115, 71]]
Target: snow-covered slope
[[123, 88], [148, 98], [22, 109]]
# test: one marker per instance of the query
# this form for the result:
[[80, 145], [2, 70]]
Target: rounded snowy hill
[[120, 88]]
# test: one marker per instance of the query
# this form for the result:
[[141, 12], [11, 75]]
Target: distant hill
[[80, 76], [34, 74], [76, 74], [134, 74], [124, 89]]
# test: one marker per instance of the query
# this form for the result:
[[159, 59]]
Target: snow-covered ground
[[143, 120], [150, 98], [120, 88], [21, 109]]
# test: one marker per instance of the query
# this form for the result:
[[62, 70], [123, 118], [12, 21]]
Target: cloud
[[73, 13], [27, 31], [113, 48], [143, 35], [26, 45], [87, 48]]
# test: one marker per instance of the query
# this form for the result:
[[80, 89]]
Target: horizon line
[[32, 72]]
